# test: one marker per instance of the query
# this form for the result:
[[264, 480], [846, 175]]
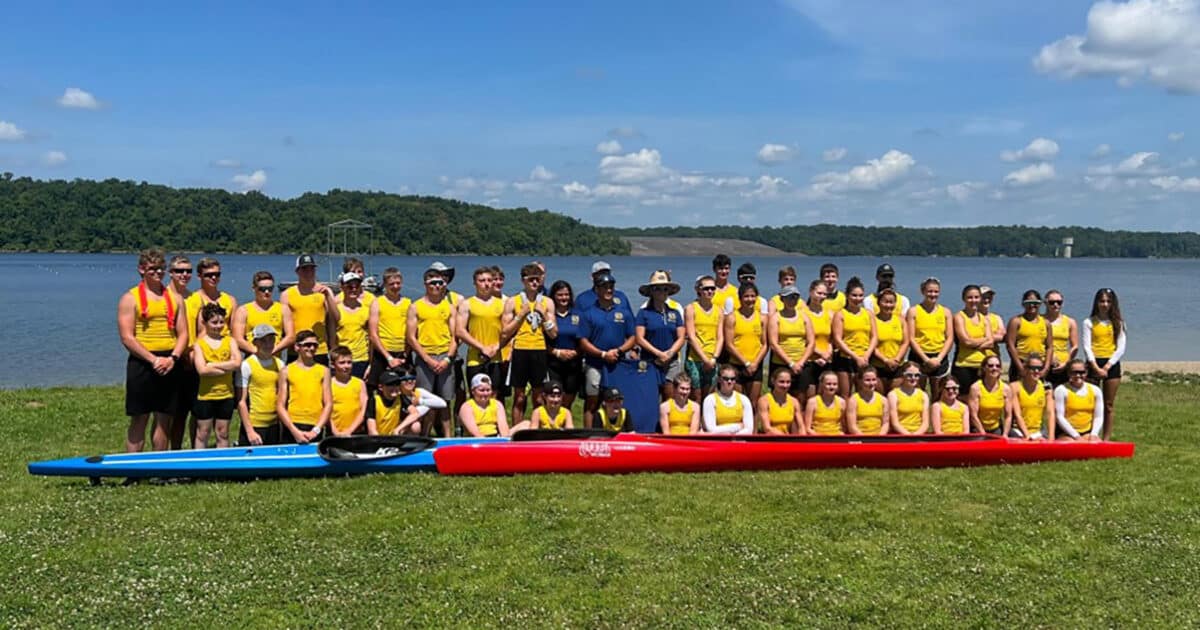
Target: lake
[[61, 308]]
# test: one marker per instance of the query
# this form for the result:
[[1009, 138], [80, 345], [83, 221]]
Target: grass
[[1103, 543]]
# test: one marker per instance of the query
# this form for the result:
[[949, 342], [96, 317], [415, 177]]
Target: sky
[[761, 112]]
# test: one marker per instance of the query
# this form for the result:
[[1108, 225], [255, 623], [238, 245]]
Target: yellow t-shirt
[[308, 313], [793, 337], [929, 329], [890, 335], [869, 415], [726, 415], [305, 388], [393, 323], [747, 335], [976, 329], [216, 387], [952, 417], [1033, 406], [387, 418], [822, 324], [485, 417], [544, 421], [1061, 331], [910, 408], [706, 323], [834, 304], [1104, 342], [991, 406], [484, 323], [827, 419], [352, 331], [346, 402], [1031, 337], [856, 329], [529, 335], [679, 421], [262, 390], [433, 325], [1080, 408], [272, 317], [728, 293], [196, 301], [151, 325], [781, 416]]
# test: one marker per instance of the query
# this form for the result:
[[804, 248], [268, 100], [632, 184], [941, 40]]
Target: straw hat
[[659, 278]]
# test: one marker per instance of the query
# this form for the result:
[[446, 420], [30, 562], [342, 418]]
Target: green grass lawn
[[1101, 543]]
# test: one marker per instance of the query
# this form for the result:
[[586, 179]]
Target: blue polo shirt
[[588, 299], [661, 328], [605, 328], [568, 330]]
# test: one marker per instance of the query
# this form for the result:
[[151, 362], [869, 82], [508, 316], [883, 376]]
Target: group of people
[[835, 360]]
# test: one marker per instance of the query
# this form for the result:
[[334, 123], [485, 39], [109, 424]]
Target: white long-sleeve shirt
[[1060, 409], [709, 414], [1085, 340]]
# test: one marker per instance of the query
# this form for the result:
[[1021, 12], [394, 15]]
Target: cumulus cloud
[[11, 132], [1039, 150], [834, 155], [632, 168], [1175, 136], [1174, 183], [75, 98], [767, 187], [774, 154], [1140, 164], [538, 178], [608, 147], [962, 191], [54, 158], [1030, 175], [1101, 151], [875, 174], [227, 163], [1151, 40], [575, 190], [253, 181], [541, 174]]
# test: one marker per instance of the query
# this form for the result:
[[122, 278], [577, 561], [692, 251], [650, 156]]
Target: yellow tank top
[[910, 408], [262, 391], [305, 387], [1079, 408], [352, 331], [679, 421], [1031, 337], [781, 416], [725, 414], [929, 329], [822, 324], [308, 313], [272, 317], [1033, 406], [869, 415], [484, 324], [827, 419], [977, 330], [529, 335], [834, 304], [387, 418], [727, 293], [196, 301], [856, 329], [559, 420], [393, 323], [997, 326], [612, 424], [150, 325], [952, 417], [706, 323], [346, 402], [1061, 330], [890, 334], [433, 325], [216, 387], [793, 337], [1104, 342], [991, 406], [366, 298], [747, 334], [485, 417]]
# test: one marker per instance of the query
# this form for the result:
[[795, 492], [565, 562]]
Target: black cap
[[392, 377], [612, 393], [747, 269], [305, 260], [553, 386], [603, 278], [884, 270]]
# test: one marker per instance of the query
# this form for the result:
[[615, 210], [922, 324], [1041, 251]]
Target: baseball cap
[[789, 291], [747, 269], [390, 377], [553, 387], [351, 276], [884, 270], [446, 270], [612, 393], [985, 289], [480, 379], [305, 260], [604, 278], [262, 330], [600, 265]]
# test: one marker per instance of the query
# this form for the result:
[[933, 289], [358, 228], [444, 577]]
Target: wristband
[[174, 358]]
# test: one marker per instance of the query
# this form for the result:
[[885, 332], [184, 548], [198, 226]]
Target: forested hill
[[83, 215], [847, 240]]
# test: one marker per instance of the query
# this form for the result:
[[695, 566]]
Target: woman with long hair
[[820, 320], [867, 408], [950, 416], [705, 327], [779, 413], [1079, 406], [974, 337], [854, 334], [790, 336], [565, 364], [931, 329], [893, 341], [1103, 342], [991, 401], [747, 340], [1027, 334], [1063, 341], [824, 414], [1032, 404]]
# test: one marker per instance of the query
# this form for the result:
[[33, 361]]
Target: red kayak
[[632, 453]]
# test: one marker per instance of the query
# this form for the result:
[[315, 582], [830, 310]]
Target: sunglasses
[[211, 275], [912, 375], [182, 271], [554, 394], [1031, 303], [154, 269], [951, 389], [1034, 368], [993, 366], [265, 288], [1078, 372], [708, 289], [750, 277], [1054, 302], [436, 283], [729, 379], [532, 278], [307, 345]]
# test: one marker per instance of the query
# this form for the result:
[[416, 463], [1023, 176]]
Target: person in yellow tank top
[[779, 413], [854, 336], [480, 324], [1034, 406], [908, 404], [263, 309], [303, 403], [787, 278], [893, 344], [726, 410], [973, 334], [1027, 334], [209, 270], [1103, 342], [152, 325], [216, 357], [552, 414], [991, 402], [1064, 338], [950, 415], [791, 339], [1079, 406], [398, 406], [820, 320], [352, 264], [705, 327], [257, 389], [824, 414], [386, 327], [680, 415], [747, 340], [431, 322], [867, 411], [931, 332], [311, 305], [350, 319], [348, 394], [726, 290], [995, 322], [481, 415], [182, 270], [834, 300], [528, 320]]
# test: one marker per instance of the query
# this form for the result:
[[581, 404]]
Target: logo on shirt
[[574, 320], [618, 317], [616, 300], [672, 317]]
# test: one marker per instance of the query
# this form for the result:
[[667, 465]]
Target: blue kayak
[[332, 456]]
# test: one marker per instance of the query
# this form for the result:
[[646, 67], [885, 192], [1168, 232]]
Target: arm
[[549, 321], [887, 411], [949, 343], [511, 320], [1049, 426], [973, 408], [852, 416], [747, 416], [910, 328], [639, 337], [728, 324], [762, 346], [289, 331], [410, 334], [664, 425], [695, 426], [326, 404], [1011, 342], [763, 409], [373, 329], [838, 327], [680, 341], [1009, 403], [1060, 411], [502, 421], [1085, 340], [466, 416], [773, 341], [689, 321], [874, 342], [893, 413], [237, 329], [810, 339], [570, 423], [810, 408], [1120, 351], [241, 391], [285, 419], [710, 413], [935, 416], [798, 420], [1097, 412], [362, 409], [924, 428], [1074, 343]]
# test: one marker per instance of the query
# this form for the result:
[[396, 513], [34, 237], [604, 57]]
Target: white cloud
[[227, 163], [633, 168], [617, 191], [962, 191], [774, 154], [834, 155], [541, 174], [1175, 136], [892, 167], [1030, 175], [538, 178], [575, 190], [767, 187], [1140, 164], [1174, 183], [11, 132], [76, 98], [1101, 150], [1153, 40], [253, 181], [1039, 150], [54, 158], [608, 147]]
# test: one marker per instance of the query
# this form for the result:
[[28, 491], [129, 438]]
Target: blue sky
[[910, 112]]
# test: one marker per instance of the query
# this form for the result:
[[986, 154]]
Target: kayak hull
[[630, 453]]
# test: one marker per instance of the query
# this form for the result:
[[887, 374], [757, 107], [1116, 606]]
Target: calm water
[[61, 308]]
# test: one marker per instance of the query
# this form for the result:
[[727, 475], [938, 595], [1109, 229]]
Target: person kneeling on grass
[[1079, 406], [348, 393], [258, 387], [398, 407], [727, 410], [216, 357], [612, 415], [482, 415], [303, 402]]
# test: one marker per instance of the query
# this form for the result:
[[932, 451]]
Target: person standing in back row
[[311, 305], [263, 309], [387, 327], [528, 321], [181, 270], [606, 331], [585, 300], [834, 299], [885, 278], [431, 325]]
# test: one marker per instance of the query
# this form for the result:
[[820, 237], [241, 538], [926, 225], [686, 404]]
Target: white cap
[[600, 265], [350, 276], [480, 379]]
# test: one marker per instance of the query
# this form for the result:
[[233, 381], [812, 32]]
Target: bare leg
[[1110, 399], [222, 427], [203, 428], [518, 405], [843, 384], [160, 436], [590, 405], [135, 435]]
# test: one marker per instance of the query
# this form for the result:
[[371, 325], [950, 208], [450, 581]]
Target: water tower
[[1067, 243]]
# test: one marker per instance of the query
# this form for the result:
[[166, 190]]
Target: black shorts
[[214, 409], [379, 364], [360, 368], [147, 391], [269, 435], [966, 376], [886, 374], [569, 374], [189, 388], [844, 364], [1115, 372], [528, 367], [798, 384], [943, 368], [745, 379], [1057, 377], [811, 374]]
